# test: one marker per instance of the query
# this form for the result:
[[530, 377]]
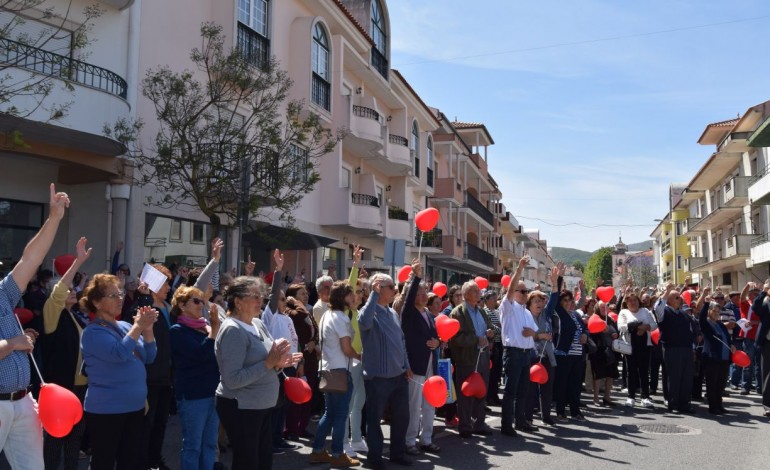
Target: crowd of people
[[216, 350]]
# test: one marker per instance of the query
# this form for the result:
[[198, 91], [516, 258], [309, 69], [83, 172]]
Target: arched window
[[321, 92], [380, 37], [414, 146], [253, 31], [429, 162]]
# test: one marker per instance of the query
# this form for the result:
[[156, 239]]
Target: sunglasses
[[196, 301]]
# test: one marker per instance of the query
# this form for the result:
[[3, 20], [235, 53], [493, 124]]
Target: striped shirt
[[495, 319]]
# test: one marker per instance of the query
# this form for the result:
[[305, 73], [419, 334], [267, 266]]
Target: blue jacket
[[196, 370], [761, 308], [417, 333], [383, 340], [712, 347]]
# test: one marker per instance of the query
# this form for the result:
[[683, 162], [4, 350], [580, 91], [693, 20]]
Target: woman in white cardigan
[[635, 323]]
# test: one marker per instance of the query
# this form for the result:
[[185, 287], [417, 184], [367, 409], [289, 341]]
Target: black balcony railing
[[397, 213], [321, 92], [478, 208], [758, 240], [416, 167], [364, 112], [16, 54], [380, 62], [254, 47], [398, 140], [478, 255], [429, 174], [365, 200], [430, 239]]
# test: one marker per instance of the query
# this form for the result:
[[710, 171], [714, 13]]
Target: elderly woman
[[542, 313], [634, 325], [717, 351], [62, 359], [298, 416], [336, 355], [115, 354], [604, 362], [196, 377], [248, 360], [570, 338]]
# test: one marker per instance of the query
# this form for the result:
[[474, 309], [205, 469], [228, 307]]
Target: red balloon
[[538, 374], [62, 263], [481, 282], [297, 390], [687, 296], [474, 386], [596, 324], [444, 304], [59, 409], [655, 335], [427, 219], [614, 316], [605, 293], [505, 281], [446, 327], [439, 289], [25, 315], [435, 391], [741, 359], [403, 273]]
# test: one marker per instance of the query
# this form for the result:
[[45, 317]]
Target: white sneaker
[[359, 446], [647, 403], [630, 402], [349, 451]]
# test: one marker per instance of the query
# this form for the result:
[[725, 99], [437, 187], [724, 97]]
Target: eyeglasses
[[359, 291], [523, 291], [114, 296], [390, 286], [196, 301]]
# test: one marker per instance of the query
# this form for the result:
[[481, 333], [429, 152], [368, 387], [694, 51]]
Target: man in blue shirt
[[21, 436]]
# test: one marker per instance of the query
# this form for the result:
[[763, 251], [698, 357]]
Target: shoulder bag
[[621, 346], [331, 381]]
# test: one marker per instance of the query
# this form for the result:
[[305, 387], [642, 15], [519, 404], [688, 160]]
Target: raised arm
[[37, 248], [116, 258], [212, 267], [516, 276], [413, 286], [55, 303], [275, 292], [745, 291]]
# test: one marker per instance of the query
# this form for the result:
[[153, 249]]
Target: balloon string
[[543, 352], [419, 246], [726, 345], [418, 383], [31, 356], [478, 358]]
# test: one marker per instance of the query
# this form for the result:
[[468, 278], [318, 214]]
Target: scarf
[[194, 323]]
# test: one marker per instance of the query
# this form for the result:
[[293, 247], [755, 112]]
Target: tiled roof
[[353, 20], [466, 125], [728, 123]]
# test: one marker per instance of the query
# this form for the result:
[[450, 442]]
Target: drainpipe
[[132, 77], [108, 197]]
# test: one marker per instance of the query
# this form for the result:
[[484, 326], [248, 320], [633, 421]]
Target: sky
[[595, 106]]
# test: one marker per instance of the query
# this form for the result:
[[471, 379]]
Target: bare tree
[[230, 143]]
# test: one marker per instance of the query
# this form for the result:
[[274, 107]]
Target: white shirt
[[282, 326], [514, 317], [319, 309], [334, 326]]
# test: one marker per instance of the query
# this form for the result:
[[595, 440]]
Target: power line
[[587, 41], [565, 224]]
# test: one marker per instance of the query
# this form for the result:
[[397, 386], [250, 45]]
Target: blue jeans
[[334, 419], [200, 431], [516, 364], [747, 378]]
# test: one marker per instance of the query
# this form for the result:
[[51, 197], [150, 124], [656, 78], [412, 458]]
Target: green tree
[[230, 143], [579, 266], [599, 266]]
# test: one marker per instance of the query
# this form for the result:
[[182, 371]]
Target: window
[[19, 221], [380, 38], [414, 147], [344, 177], [253, 31], [429, 162], [320, 63], [679, 262], [197, 234], [298, 171], [175, 233], [379, 195]]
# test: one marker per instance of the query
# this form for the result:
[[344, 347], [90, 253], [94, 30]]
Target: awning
[[270, 237], [761, 136]]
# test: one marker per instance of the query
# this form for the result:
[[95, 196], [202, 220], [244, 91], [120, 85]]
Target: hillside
[[641, 246], [569, 255]]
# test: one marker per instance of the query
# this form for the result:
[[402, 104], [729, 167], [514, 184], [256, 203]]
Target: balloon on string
[[538, 374], [474, 386], [505, 280], [435, 391], [58, 409], [297, 390], [446, 327], [62, 263], [403, 273], [483, 283], [614, 316], [741, 359], [605, 293], [596, 324], [427, 219], [655, 335], [687, 296], [439, 289], [25, 315]]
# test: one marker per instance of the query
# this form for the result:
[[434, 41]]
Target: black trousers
[[679, 369], [656, 358], [159, 405], [638, 370], [250, 433], [716, 372], [541, 394], [569, 377], [765, 365], [495, 373], [111, 438], [69, 444]]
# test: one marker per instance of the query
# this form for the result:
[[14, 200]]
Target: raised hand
[[58, 203], [81, 253], [216, 248], [523, 262], [357, 252], [248, 268], [278, 258], [417, 268]]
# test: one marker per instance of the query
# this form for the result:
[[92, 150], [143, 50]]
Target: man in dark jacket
[[762, 342]]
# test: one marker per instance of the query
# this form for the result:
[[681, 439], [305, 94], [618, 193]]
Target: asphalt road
[[610, 438]]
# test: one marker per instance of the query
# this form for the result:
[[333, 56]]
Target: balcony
[[431, 242], [479, 163], [398, 225], [365, 213], [666, 246], [716, 218], [693, 263], [380, 63], [366, 137], [448, 190], [733, 252], [760, 249], [759, 187], [479, 209], [396, 161], [321, 92], [689, 223], [736, 191], [480, 256], [254, 47], [667, 276], [735, 142], [738, 245]]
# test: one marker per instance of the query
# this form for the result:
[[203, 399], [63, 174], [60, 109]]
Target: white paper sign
[[154, 278], [744, 324]]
